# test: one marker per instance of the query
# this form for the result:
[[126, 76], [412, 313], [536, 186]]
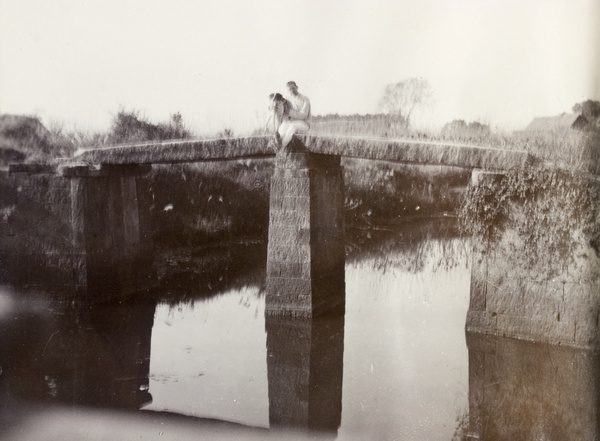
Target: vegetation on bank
[[548, 219]]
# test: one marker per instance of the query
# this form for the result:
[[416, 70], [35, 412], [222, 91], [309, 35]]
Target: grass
[[193, 204], [565, 148]]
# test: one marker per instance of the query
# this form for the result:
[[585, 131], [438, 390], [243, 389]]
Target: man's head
[[292, 87]]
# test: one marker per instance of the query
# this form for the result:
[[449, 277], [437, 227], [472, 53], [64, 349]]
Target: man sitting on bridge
[[298, 117]]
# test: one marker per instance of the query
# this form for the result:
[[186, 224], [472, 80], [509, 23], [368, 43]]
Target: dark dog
[[279, 109]]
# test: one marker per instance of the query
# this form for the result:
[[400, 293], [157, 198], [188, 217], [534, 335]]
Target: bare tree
[[400, 99]]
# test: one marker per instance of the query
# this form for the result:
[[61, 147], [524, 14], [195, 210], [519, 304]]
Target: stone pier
[[111, 230], [305, 261], [509, 300]]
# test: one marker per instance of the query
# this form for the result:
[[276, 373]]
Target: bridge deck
[[396, 150]]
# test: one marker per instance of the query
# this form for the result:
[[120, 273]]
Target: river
[[396, 366]]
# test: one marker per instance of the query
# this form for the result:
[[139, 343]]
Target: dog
[[279, 110]]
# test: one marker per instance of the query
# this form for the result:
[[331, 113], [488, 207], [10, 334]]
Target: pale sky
[[77, 62]]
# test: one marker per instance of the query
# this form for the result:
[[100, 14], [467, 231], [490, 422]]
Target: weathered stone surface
[[586, 334], [305, 234], [401, 150], [551, 331], [482, 322], [546, 311], [111, 228], [517, 326]]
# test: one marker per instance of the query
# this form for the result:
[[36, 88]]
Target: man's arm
[[303, 112]]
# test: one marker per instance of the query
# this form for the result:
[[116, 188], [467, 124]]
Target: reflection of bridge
[[111, 216]]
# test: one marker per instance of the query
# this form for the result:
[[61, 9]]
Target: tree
[[477, 129], [129, 126], [460, 129], [454, 128], [400, 99], [589, 109]]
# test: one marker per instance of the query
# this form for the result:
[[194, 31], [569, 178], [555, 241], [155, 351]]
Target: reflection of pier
[[305, 368], [111, 354], [96, 355], [524, 391]]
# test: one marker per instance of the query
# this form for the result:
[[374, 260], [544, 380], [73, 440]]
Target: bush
[[459, 129], [129, 126], [193, 206]]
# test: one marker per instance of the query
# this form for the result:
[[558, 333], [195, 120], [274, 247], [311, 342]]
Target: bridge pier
[[306, 256], [509, 300], [111, 230]]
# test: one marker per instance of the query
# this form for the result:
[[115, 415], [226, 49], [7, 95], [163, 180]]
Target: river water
[[396, 366], [405, 360]]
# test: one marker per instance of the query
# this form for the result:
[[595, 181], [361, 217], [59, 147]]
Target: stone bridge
[[306, 242], [113, 251], [396, 150]]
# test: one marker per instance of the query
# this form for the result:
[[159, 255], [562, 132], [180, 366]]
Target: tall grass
[[565, 147]]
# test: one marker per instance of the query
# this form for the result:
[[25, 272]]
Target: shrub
[[459, 129], [129, 127]]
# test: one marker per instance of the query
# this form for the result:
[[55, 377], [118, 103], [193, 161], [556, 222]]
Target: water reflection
[[413, 248], [92, 354], [528, 391], [111, 357], [305, 371], [396, 349]]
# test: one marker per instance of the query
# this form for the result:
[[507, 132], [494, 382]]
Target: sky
[[76, 63]]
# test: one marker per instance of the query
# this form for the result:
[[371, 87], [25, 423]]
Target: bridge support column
[[513, 296], [305, 260], [111, 230]]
